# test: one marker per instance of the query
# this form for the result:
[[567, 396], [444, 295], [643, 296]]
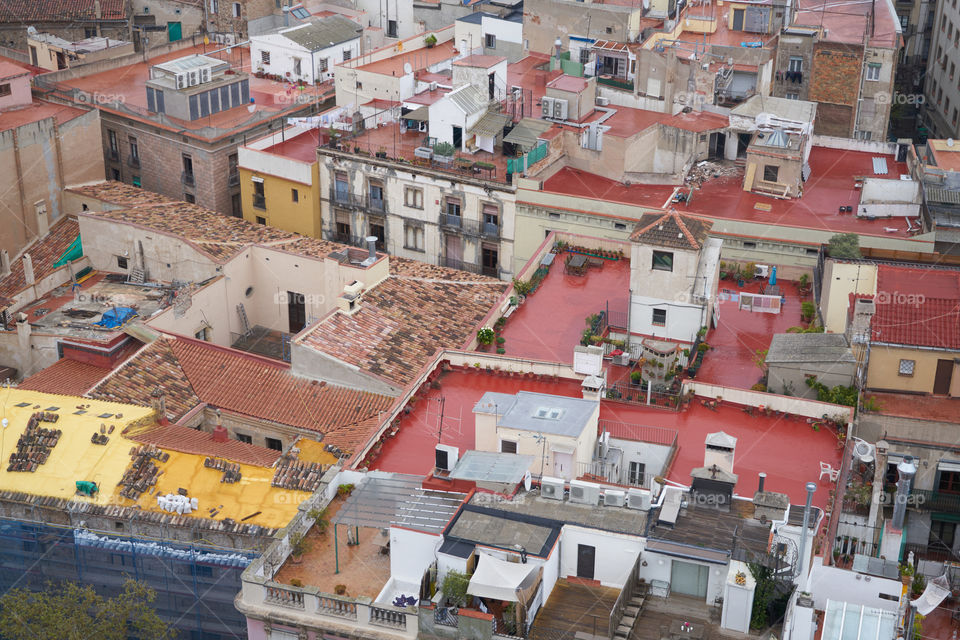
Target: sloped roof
[[185, 440], [193, 371], [10, 70], [468, 99], [324, 33], [526, 132], [917, 307], [119, 194], [18, 11], [404, 320], [44, 253], [671, 229], [65, 377]]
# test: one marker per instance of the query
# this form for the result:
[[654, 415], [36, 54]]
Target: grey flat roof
[[800, 110], [809, 347], [531, 505], [540, 412], [385, 499], [487, 466], [498, 530]]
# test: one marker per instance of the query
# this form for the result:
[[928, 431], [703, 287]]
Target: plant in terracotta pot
[[485, 337], [299, 545]]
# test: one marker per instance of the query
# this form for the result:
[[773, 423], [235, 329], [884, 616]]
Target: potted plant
[[485, 337], [805, 284], [299, 545], [430, 41], [807, 310], [636, 377], [381, 152]]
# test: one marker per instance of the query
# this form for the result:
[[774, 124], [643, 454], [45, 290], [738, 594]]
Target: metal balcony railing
[[233, 179], [449, 220], [133, 161], [375, 204], [187, 179], [259, 202], [928, 500], [490, 229]]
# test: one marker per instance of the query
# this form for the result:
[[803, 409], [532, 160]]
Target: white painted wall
[[659, 567], [379, 12], [502, 29], [652, 456], [411, 552], [683, 319], [283, 51], [615, 553], [738, 599], [842, 585]]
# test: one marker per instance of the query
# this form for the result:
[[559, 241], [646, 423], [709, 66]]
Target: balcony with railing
[[233, 179], [259, 201], [375, 203], [451, 221], [456, 263], [931, 500], [489, 229], [133, 161], [188, 179]]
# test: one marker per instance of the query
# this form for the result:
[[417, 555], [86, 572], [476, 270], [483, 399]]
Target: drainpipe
[[907, 470], [811, 487]]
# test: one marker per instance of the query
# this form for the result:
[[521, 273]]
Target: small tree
[[299, 545], [454, 588], [443, 149], [71, 611], [844, 245]]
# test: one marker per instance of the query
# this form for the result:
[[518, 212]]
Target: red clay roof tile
[[44, 252], [60, 10], [186, 440], [65, 377], [917, 307]]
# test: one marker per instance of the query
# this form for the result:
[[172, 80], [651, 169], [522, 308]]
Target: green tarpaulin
[[74, 251]]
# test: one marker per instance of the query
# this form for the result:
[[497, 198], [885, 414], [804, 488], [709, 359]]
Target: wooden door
[[941, 383]]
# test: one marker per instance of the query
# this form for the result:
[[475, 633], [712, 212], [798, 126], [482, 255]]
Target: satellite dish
[[407, 68], [527, 480]]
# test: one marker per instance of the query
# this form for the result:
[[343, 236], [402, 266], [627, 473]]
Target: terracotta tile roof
[[201, 443], [221, 237], [59, 10], [917, 307], [192, 371], [120, 194], [404, 320], [10, 70], [154, 366], [65, 377], [44, 252], [417, 269], [671, 229]]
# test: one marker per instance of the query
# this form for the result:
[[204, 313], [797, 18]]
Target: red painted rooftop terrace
[[788, 449], [832, 184]]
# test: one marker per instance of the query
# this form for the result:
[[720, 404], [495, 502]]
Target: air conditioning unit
[[354, 288], [559, 109], [638, 499], [551, 488], [546, 105], [433, 86], [194, 77], [205, 74], [584, 492], [446, 457], [181, 79], [612, 498], [602, 102]]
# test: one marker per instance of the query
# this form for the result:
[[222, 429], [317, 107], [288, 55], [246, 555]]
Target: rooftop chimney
[[372, 247], [28, 269], [907, 470], [763, 478], [158, 402], [220, 434], [719, 450], [4, 263], [592, 388]]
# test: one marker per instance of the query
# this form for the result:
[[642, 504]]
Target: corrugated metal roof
[[491, 124], [880, 166], [469, 99], [324, 33], [945, 196], [527, 132]]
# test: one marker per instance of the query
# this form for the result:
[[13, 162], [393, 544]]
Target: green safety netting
[[74, 251]]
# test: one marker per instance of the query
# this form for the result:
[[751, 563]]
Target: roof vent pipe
[[907, 469], [763, 478], [372, 246], [811, 487]]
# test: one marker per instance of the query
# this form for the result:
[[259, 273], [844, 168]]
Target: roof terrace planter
[[423, 152], [616, 83]]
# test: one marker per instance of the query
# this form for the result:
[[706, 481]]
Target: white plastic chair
[[827, 469]]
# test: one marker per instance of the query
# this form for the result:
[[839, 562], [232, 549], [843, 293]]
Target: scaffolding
[[195, 584]]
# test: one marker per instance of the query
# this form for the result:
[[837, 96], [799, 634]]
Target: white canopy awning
[[498, 579]]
